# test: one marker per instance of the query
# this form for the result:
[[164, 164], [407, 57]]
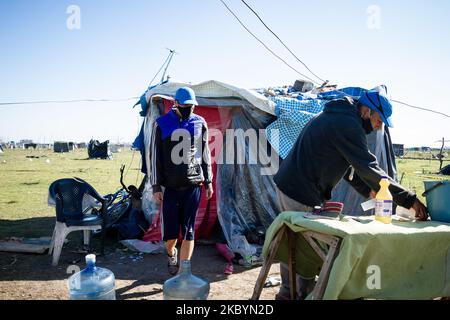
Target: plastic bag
[[149, 206], [240, 245], [143, 246]]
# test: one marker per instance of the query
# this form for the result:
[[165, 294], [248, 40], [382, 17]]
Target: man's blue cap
[[186, 95], [377, 100]]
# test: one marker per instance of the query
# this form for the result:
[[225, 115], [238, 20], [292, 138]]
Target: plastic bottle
[[383, 206], [186, 286], [92, 283]]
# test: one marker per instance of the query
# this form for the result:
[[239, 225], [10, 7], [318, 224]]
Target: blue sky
[[121, 45]]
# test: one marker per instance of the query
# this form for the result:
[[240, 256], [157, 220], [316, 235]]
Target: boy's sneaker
[[172, 263]]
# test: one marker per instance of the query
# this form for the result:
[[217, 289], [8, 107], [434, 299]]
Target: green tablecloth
[[413, 257]]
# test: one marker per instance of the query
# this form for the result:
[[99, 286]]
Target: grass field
[[24, 183]]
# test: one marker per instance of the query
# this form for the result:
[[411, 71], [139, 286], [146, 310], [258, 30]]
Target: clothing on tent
[[139, 144]]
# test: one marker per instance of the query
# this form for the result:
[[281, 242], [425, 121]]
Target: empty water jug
[[92, 283], [186, 286]]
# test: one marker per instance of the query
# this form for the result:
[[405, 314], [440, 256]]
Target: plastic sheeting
[[246, 199]]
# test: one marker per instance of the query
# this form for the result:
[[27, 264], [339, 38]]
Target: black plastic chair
[[73, 199]]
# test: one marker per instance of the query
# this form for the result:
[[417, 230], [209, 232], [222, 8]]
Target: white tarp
[[207, 89], [216, 89]]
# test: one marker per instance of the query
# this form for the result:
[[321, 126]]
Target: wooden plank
[[291, 265], [273, 248], [324, 275], [314, 245], [23, 245], [331, 240]]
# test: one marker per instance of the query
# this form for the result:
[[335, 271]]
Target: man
[[333, 146], [182, 169]]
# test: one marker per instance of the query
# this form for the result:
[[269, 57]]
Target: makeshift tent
[[245, 194], [99, 150], [60, 146], [237, 201]]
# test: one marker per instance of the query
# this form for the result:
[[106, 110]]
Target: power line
[[66, 101], [265, 25], [265, 46], [402, 103], [420, 108]]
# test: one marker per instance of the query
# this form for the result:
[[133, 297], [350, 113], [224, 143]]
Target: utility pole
[[441, 153]]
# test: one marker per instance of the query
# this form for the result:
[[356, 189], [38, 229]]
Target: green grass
[[416, 171], [24, 184]]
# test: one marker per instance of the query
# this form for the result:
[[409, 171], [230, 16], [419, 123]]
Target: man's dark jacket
[[329, 145], [196, 165]]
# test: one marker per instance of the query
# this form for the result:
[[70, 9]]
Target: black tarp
[[99, 150], [60, 146]]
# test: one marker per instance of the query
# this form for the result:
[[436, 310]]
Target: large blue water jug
[[186, 286], [92, 283]]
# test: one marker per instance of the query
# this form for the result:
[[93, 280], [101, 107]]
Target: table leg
[[291, 265], [273, 248], [324, 275]]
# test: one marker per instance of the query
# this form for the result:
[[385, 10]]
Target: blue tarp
[[294, 113]]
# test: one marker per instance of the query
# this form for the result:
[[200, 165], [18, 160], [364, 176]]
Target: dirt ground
[[31, 276]]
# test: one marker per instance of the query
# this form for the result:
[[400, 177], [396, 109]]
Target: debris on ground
[[143, 246], [27, 245]]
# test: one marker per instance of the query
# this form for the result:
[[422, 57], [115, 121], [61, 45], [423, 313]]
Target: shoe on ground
[[172, 263]]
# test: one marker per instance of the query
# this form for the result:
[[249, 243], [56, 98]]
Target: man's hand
[[372, 194], [421, 210], [209, 191], [158, 197]]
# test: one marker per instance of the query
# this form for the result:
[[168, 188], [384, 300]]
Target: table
[[414, 257]]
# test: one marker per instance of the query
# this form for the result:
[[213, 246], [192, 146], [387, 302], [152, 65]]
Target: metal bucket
[[437, 194]]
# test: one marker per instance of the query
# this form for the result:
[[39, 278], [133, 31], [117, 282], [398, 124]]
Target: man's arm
[[355, 181], [156, 168], [352, 145], [206, 159]]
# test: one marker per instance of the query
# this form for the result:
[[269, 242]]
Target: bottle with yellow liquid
[[383, 206]]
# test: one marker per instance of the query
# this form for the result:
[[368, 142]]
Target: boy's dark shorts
[[180, 208]]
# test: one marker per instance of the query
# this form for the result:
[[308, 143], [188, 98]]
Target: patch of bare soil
[[31, 276]]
